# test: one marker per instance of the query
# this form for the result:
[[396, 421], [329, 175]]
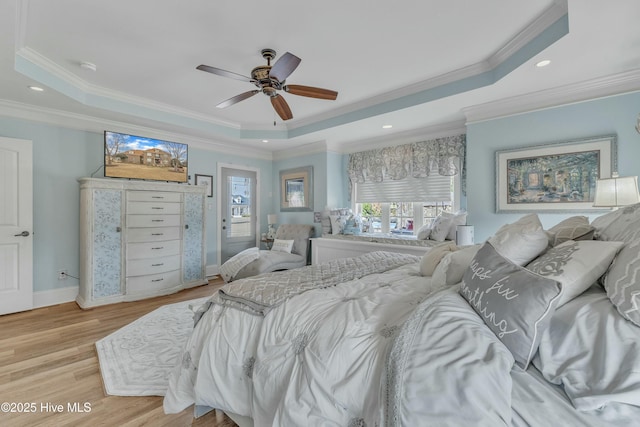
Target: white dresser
[[139, 239]]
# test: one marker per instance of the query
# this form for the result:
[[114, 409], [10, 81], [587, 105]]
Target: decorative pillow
[[433, 256], [326, 222], [573, 228], [424, 232], [515, 303], [453, 266], [592, 351], [280, 245], [230, 268], [576, 265], [521, 241], [459, 218], [622, 280], [337, 223], [440, 228]]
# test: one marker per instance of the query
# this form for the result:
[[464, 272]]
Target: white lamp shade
[[272, 219], [616, 191]]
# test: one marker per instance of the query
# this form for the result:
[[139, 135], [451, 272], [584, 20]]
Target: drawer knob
[[159, 247], [157, 265], [157, 280]]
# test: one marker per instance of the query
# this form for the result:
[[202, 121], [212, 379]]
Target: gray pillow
[[515, 303], [572, 228], [621, 281]]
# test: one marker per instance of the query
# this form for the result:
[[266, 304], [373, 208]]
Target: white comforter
[[386, 349]]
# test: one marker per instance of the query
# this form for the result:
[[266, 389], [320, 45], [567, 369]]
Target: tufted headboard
[[299, 233]]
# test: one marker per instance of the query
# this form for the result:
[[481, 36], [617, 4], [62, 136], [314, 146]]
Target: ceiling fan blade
[[281, 107], [311, 92], [229, 102], [224, 73], [284, 66]]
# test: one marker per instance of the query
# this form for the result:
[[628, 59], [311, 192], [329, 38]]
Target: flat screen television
[[138, 157]]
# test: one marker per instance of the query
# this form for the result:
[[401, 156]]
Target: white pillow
[[592, 352], [424, 232], [452, 267], [337, 223], [440, 228], [459, 218], [521, 241], [280, 245], [576, 265], [433, 256]]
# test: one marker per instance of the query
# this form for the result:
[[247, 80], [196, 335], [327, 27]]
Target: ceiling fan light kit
[[269, 80]]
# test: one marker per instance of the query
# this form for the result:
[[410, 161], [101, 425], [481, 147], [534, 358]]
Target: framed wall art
[[553, 177], [206, 180], [296, 189]]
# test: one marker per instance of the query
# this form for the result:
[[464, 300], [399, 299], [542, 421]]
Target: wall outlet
[[62, 275]]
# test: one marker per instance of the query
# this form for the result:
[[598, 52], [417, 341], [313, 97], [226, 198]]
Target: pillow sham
[[337, 223], [280, 245], [440, 228], [515, 303], [233, 265], [593, 352], [433, 256], [424, 232], [452, 267], [521, 241], [459, 218], [576, 265], [573, 228], [621, 281]]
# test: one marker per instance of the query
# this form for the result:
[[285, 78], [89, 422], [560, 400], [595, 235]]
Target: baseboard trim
[[212, 270], [55, 296]]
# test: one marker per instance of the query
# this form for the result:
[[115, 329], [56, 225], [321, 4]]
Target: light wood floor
[[48, 355]]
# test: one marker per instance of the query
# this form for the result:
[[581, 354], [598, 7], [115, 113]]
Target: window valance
[[441, 156]]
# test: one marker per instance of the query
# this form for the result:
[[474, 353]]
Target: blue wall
[[60, 157], [608, 116]]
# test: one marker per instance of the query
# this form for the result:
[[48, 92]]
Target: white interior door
[[16, 225], [238, 213]]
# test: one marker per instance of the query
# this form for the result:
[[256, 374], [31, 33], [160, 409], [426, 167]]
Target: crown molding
[[550, 16], [301, 150], [429, 132], [89, 89], [98, 125], [612, 85]]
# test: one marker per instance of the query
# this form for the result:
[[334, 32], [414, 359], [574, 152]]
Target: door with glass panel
[[238, 211]]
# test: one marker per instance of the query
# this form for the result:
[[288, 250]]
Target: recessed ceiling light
[[387, 126], [543, 63], [36, 88], [265, 140]]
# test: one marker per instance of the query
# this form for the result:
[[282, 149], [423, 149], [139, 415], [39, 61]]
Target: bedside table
[[267, 242]]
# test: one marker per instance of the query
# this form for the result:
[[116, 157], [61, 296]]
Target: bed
[[374, 341]]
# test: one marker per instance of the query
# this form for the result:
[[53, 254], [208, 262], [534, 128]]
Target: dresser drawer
[[154, 208], [152, 249], [152, 283], [141, 267], [153, 221], [153, 196], [152, 234]]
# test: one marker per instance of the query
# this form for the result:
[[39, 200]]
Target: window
[[401, 216]]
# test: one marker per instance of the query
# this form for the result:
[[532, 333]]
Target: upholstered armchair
[[270, 260]]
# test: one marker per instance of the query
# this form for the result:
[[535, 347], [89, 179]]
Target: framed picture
[[553, 177], [296, 189], [205, 180]]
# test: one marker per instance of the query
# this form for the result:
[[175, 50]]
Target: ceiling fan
[[269, 80]]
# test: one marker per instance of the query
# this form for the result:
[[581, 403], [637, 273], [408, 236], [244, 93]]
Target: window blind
[[434, 188]]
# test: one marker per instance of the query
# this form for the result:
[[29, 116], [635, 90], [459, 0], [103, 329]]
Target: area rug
[[137, 359]]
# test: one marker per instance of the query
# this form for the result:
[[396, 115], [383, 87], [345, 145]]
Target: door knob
[[23, 234]]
